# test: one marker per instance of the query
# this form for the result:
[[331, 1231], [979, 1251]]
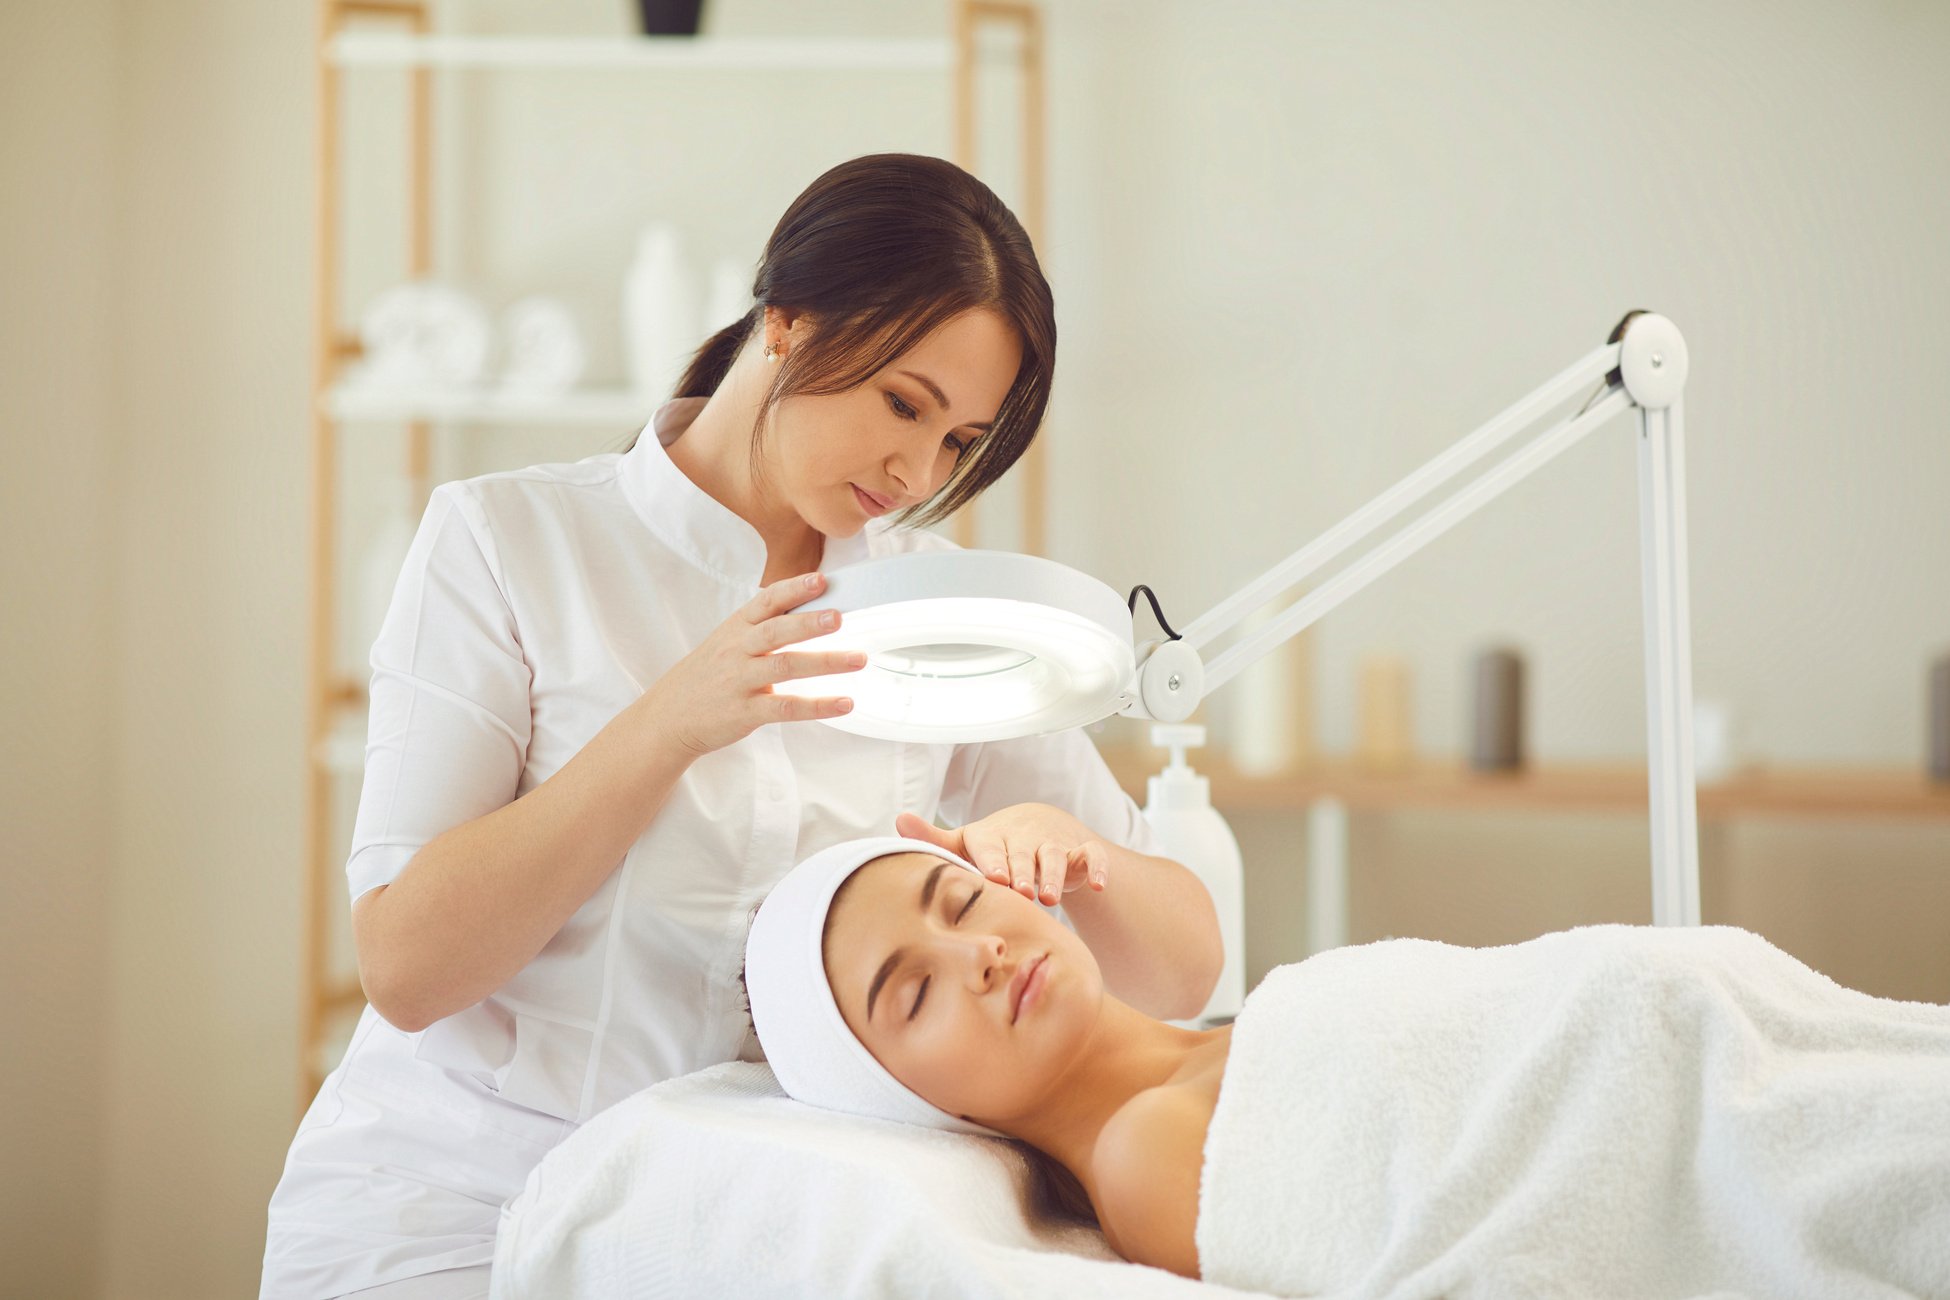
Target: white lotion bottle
[[1178, 804]]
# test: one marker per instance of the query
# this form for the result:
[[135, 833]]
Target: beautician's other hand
[[1039, 851], [721, 691]]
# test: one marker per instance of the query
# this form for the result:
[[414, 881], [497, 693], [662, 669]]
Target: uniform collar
[[696, 524]]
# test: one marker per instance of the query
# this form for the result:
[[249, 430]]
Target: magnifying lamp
[[973, 645]]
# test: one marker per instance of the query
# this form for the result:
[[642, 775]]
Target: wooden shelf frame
[[1755, 790], [608, 407], [1328, 790], [356, 49]]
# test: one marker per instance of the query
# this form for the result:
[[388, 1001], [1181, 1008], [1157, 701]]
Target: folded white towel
[[1608, 1111]]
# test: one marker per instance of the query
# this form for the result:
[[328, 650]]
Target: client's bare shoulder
[[1147, 1162]]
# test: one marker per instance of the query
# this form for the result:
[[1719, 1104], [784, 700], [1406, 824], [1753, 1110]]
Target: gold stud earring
[[771, 352]]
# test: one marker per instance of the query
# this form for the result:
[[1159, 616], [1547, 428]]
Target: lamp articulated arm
[[1643, 365]]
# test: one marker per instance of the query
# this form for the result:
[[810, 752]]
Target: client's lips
[[1020, 985]]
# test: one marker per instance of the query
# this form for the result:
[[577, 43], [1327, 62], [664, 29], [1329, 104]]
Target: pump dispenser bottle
[[1178, 804]]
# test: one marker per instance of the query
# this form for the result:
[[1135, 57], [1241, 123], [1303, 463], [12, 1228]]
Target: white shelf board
[[616, 406], [403, 50]]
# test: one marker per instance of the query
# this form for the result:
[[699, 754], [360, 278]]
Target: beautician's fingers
[[913, 826], [1094, 858], [1022, 870], [786, 629], [830, 663], [1051, 868], [785, 594], [988, 856]]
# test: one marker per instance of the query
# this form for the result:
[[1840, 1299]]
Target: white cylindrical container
[[659, 313], [729, 297], [1716, 751], [1178, 804], [1269, 722]]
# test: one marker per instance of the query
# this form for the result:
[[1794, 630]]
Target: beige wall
[[1297, 251], [58, 670], [212, 317], [1322, 242], [155, 244]]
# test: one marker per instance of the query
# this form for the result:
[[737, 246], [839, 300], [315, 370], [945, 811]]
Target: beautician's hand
[[1041, 852], [721, 692]]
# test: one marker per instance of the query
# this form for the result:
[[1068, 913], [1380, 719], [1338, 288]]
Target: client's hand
[[1040, 851]]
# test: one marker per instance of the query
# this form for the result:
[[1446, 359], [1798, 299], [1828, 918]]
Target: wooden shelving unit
[[413, 50], [399, 34], [1824, 793], [1327, 790], [608, 407]]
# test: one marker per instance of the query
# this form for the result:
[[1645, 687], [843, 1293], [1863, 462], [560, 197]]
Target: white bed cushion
[[717, 1183]]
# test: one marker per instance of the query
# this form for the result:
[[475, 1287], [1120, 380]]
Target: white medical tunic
[[534, 605]]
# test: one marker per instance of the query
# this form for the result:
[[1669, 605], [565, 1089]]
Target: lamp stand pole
[[1643, 364], [1668, 666]]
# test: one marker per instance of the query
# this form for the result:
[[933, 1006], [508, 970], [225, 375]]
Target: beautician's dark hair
[[877, 253]]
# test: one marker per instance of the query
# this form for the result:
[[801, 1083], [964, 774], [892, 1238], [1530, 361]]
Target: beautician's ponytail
[[713, 361], [877, 253]]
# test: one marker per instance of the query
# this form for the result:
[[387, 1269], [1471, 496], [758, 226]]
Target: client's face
[[925, 959]]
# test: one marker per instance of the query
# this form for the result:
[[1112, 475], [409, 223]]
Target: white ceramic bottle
[[660, 312], [730, 295], [1178, 804]]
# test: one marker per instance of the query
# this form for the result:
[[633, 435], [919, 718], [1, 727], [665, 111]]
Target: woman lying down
[[1607, 1111]]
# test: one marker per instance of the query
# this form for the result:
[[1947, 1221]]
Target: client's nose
[[982, 956]]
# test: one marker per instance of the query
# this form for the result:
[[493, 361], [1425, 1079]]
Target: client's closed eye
[[970, 903], [957, 921]]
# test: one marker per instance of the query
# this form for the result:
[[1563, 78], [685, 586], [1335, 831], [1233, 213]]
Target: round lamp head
[[971, 645]]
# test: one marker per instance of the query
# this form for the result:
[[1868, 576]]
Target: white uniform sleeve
[[1063, 769], [448, 730]]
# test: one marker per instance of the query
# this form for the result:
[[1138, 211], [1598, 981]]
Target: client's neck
[[1124, 1054]]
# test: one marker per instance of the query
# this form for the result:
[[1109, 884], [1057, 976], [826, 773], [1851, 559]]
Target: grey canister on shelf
[[1940, 718], [1496, 731]]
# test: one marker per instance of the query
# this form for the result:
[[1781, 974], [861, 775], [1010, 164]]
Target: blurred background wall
[[1297, 249]]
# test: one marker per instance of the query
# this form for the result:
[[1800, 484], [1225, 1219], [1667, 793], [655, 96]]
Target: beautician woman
[[579, 784]]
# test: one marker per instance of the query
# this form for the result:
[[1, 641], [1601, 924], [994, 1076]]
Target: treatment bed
[[1663, 1113], [718, 1184]]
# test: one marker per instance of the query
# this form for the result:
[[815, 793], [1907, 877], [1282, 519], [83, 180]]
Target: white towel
[[718, 1184], [1608, 1111], [806, 1039]]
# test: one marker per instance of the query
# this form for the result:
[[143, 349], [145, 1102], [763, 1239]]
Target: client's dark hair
[[1054, 1192]]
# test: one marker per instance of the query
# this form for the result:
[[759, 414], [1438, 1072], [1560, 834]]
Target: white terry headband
[[806, 1041]]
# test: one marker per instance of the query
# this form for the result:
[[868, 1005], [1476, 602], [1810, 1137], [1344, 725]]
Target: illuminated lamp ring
[[1023, 646]]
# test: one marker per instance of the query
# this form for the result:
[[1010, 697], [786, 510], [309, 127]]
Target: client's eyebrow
[[887, 967]]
